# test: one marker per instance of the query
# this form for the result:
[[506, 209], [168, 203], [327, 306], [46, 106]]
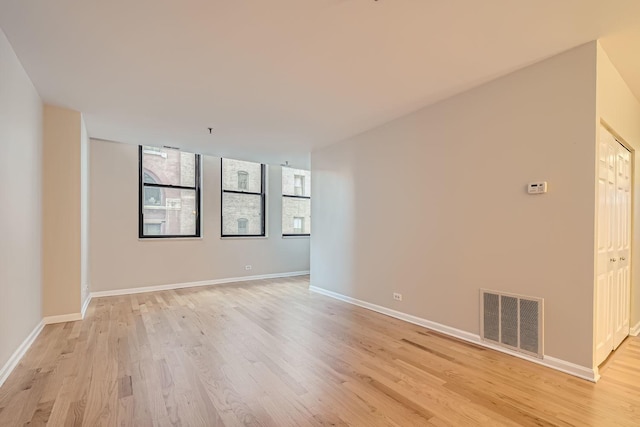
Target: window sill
[[164, 239], [296, 237], [243, 238]]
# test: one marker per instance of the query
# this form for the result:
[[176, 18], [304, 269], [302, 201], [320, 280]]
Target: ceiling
[[275, 79]]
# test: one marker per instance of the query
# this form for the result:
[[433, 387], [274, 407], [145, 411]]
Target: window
[[151, 228], [243, 198], [243, 177], [169, 200], [296, 202], [152, 195], [298, 185], [242, 225], [157, 151]]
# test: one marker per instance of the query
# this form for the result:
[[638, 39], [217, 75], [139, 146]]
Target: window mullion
[[242, 192], [177, 187]]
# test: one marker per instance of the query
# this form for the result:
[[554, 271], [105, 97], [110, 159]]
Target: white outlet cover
[[537, 187]]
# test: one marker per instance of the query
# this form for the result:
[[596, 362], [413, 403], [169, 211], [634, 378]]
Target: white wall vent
[[512, 321]]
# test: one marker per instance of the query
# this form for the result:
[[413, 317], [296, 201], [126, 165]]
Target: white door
[[613, 244], [622, 291], [605, 245]]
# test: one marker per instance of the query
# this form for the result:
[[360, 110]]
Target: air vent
[[512, 321]]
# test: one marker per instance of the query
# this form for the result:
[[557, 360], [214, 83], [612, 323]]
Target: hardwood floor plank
[[270, 353]]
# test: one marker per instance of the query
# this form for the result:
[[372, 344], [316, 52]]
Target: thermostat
[[537, 187]]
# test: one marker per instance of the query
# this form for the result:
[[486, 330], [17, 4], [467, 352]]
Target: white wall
[[119, 260], [620, 110], [20, 210], [434, 205]]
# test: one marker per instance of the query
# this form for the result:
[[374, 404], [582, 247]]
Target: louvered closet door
[[612, 291]]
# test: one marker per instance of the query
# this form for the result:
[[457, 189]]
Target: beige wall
[[84, 213], [620, 110], [434, 205], [20, 210], [119, 260], [61, 211]]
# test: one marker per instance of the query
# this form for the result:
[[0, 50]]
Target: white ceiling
[[277, 78]]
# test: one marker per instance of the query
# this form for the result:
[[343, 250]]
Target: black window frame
[[296, 197], [142, 185], [263, 200]]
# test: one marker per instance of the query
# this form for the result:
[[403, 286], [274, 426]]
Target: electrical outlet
[[397, 296], [247, 267]]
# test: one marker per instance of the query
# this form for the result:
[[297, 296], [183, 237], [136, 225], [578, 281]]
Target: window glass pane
[[296, 182], [241, 214], [152, 229], [243, 178], [296, 216], [168, 166], [243, 224], [238, 175], [173, 215], [153, 196]]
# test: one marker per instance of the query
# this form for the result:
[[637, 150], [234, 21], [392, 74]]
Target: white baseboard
[[85, 306], [13, 361], [548, 361], [635, 331], [62, 318], [569, 368], [143, 289]]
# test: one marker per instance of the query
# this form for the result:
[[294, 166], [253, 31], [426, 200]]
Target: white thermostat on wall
[[537, 187]]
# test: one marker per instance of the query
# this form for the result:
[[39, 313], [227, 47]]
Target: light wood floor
[[271, 353]]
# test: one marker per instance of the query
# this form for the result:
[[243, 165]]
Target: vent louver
[[512, 321]]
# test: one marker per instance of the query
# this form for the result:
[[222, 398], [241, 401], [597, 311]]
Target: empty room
[[319, 213]]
